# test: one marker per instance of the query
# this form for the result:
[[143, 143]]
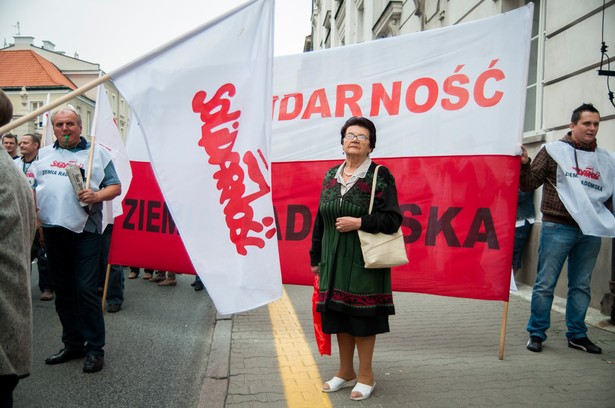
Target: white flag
[[47, 126], [108, 136], [204, 106]]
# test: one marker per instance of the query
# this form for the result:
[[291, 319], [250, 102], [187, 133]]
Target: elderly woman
[[354, 302]]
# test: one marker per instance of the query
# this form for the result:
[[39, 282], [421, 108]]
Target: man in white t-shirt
[[72, 228]]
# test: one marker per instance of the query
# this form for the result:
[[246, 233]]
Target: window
[[39, 119], [533, 102]]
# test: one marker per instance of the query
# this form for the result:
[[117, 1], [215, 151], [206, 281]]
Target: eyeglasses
[[352, 136]]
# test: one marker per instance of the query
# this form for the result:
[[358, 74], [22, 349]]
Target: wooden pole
[[79, 91], [90, 159], [93, 139], [104, 296], [503, 330]]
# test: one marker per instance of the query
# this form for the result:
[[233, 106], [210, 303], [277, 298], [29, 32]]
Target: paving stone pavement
[[441, 352]]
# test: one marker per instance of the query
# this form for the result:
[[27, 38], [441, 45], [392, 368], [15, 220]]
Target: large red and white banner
[[448, 105]]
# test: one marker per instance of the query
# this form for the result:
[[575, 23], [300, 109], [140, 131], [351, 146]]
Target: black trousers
[[73, 260], [45, 281], [7, 385]]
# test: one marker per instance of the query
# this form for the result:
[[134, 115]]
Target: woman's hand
[[314, 269], [346, 224]]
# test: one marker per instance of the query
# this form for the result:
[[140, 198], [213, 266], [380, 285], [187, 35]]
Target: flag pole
[[79, 91], [90, 159], [104, 296], [93, 137], [503, 330]]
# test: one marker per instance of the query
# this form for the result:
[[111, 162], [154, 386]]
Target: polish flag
[[448, 105], [202, 105]]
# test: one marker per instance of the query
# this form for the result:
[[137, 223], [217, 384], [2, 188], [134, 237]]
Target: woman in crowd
[[355, 302]]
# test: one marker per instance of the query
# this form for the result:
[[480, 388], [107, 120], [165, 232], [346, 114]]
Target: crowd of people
[[45, 218], [71, 247]]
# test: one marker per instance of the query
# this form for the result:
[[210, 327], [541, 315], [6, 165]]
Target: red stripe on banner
[[459, 216], [459, 221], [145, 235]]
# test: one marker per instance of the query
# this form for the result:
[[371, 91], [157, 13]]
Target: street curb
[[215, 385]]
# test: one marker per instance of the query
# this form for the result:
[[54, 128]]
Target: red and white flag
[[448, 105], [203, 104], [108, 136]]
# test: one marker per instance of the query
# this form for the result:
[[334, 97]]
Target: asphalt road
[[156, 352]]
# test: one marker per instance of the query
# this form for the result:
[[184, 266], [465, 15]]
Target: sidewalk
[[441, 352]]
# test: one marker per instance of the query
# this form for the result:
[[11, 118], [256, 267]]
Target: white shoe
[[337, 383]]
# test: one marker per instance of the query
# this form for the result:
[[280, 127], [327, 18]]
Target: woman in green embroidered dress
[[354, 302]]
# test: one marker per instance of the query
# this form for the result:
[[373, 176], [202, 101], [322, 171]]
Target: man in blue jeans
[[577, 178]]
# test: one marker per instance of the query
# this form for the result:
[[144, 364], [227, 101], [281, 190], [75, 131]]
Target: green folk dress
[[353, 299]]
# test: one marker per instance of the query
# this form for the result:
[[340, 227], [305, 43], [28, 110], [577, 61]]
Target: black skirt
[[359, 326]]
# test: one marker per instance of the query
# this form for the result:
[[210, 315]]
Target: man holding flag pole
[[71, 219], [577, 178]]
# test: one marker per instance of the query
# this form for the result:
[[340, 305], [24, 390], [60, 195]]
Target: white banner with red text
[[448, 105]]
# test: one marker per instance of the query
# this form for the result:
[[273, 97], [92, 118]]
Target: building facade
[[565, 58], [34, 76]]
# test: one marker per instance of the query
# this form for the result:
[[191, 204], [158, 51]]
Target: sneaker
[[534, 344], [133, 275], [147, 275], [198, 286], [584, 344]]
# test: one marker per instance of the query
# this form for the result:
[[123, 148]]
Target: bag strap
[[371, 200]]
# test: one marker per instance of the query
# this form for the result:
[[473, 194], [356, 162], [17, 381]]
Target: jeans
[[522, 233], [73, 260], [558, 242]]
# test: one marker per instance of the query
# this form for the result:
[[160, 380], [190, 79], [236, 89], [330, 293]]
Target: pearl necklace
[[349, 175]]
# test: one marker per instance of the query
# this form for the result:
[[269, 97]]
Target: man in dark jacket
[[577, 178]]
